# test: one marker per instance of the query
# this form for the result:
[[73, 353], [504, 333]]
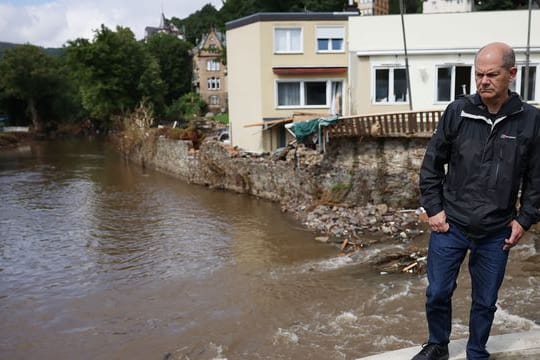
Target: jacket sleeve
[[432, 172], [529, 212]]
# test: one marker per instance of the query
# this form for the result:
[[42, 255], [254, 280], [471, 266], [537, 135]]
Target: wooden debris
[[409, 267]]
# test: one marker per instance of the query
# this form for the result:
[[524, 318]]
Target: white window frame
[[213, 100], [302, 82], [213, 83], [289, 49], [336, 32], [212, 65], [391, 99], [472, 82], [516, 84]]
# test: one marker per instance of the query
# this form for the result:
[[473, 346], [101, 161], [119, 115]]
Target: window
[[519, 83], [213, 100], [288, 40], [214, 83], [330, 39], [316, 93], [212, 65], [453, 81], [390, 85]]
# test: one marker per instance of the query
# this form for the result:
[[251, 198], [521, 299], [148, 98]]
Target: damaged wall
[[352, 172]]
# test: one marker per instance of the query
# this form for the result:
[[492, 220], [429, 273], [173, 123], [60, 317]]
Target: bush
[[222, 118], [187, 106]]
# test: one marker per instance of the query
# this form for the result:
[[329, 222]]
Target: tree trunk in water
[[36, 121]]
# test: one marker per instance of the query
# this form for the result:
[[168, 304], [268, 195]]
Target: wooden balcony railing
[[403, 124]]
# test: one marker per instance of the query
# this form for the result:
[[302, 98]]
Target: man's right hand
[[438, 222]]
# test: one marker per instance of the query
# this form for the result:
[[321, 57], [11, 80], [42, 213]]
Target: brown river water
[[100, 259]]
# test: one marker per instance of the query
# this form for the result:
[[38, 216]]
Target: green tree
[[409, 6], [495, 5], [199, 23], [114, 72], [175, 63], [31, 77], [186, 107], [298, 5], [327, 6], [152, 88]]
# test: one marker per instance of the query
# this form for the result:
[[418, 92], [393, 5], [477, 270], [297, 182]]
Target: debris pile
[[354, 228], [355, 222]]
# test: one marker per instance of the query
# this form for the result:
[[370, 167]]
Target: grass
[[222, 118]]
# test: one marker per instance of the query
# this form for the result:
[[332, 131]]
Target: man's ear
[[513, 72]]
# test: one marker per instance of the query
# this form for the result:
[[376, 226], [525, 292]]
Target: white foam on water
[[328, 264], [406, 291], [285, 335], [385, 341], [534, 282], [360, 257], [340, 323], [346, 317], [459, 330], [511, 321], [525, 250]]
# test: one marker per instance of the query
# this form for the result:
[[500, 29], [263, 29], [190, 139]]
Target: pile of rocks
[[355, 228], [339, 223]]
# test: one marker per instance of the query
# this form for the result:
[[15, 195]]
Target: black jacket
[[488, 158]]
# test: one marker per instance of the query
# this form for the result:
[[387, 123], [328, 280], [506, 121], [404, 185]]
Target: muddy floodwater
[[100, 259]]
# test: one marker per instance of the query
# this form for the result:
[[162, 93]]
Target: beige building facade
[[209, 72], [283, 66]]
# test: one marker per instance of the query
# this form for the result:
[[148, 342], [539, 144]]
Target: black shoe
[[432, 352]]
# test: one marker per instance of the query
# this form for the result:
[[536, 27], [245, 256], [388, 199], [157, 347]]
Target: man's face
[[492, 78]]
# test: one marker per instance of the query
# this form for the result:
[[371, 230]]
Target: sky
[[51, 23]]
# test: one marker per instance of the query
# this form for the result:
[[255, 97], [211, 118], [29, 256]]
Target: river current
[[101, 259]]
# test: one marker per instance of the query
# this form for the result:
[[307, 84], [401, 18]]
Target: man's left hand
[[517, 233]]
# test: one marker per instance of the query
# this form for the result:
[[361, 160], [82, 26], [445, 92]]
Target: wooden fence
[[403, 124]]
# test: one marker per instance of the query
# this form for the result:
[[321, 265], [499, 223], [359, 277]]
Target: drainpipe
[[407, 77], [527, 54]]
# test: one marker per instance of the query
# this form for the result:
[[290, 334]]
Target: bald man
[[490, 144]]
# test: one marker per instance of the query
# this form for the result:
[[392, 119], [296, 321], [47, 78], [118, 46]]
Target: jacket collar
[[475, 109]]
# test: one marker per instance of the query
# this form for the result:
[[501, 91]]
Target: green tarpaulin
[[302, 130]]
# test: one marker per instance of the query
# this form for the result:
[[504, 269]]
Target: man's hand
[[438, 222], [517, 233]]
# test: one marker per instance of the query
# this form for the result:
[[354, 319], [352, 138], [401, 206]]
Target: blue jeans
[[487, 264]]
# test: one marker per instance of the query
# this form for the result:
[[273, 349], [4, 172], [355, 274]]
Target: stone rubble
[[358, 227]]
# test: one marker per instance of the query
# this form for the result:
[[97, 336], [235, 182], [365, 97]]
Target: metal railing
[[402, 124]]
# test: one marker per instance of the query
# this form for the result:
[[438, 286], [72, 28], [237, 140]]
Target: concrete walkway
[[502, 347]]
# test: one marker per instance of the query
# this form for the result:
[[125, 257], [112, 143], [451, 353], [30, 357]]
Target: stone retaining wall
[[353, 172]]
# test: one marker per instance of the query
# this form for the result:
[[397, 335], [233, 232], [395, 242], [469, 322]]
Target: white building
[[441, 49], [446, 6]]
